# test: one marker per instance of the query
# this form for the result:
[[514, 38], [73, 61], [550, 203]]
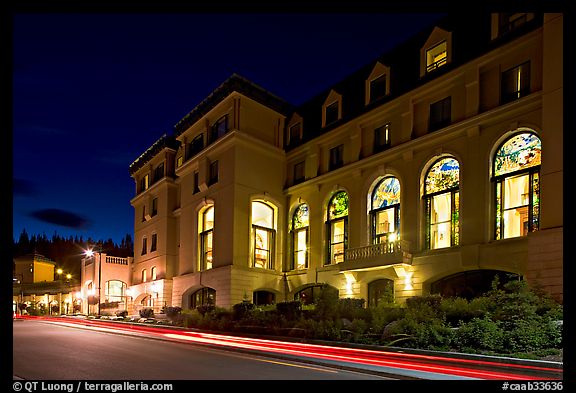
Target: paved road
[[46, 351]]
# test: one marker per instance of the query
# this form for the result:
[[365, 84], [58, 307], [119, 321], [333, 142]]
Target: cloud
[[60, 217], [23, 187]]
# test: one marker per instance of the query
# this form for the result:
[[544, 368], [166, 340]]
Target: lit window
[[179, 161], [517, 178], [300, 222], [381, 138], [153, 273], [436, 57], [115, 291], [263, 235], [206, 237], [442, 204], [144, 277], [515, 83], [144, 183], [385, 214], [337, 227], [203, 297]]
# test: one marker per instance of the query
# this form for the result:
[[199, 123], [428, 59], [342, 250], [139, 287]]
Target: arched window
[[300, 222], [144, 277], [385, 213], [337, 227], [263, 235], [442, 198], [380, 292], [203, 297], [260, 298], [153, 273], [115, 291], [311, 294], [517, 178], [206, 237]]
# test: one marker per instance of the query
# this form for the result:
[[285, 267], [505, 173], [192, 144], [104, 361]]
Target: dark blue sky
[[91, 92]]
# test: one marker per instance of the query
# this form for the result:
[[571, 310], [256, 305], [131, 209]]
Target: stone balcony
[[376, 256]]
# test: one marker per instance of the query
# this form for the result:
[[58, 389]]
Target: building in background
[[40, 287], [433, 169]]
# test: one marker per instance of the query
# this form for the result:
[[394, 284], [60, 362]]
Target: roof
[[165, 141], [238, 84]]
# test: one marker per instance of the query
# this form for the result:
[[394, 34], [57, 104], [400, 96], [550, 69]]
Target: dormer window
[[436, 52], [331, 113], [377, 88], [195, 146], [377, 83], [436, 57], [332, 109], [294, 134]]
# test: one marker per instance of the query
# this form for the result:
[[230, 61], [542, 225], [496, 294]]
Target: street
[[48, 351]]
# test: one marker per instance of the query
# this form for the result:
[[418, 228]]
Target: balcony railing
[[117, 260], [374, 250]]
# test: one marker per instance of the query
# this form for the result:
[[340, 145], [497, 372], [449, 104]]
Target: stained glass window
[[443, 175], [300, 219], [338, 206], [387, 193], [519, 152]]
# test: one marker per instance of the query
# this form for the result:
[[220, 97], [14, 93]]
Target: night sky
[[92, 91]]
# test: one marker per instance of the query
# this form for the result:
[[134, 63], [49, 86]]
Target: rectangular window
[[509, 21], [158, 173], [154, 207], [300, 249], [143, 213], [436, 57], [206, 239], [295, 134], [153, 273], [195, 146], [144, 183], [440, 220], [179, 161], [515, 83], [299, 175], [336, 157], [144, 246], [196, 188], [219, 128], [378, 88], [440, 114], [213, 179], [337, 240], [382, 138], [332, 113], [263, 247], [144, 277], [153, 244]]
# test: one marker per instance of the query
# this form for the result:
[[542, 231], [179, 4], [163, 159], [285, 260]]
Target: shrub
[[172, 312], [204, 309], [146, 313], [108, 305], [240, 310], [383, 315], [290, 310], [353, 309], [122, 313], [480, 333]]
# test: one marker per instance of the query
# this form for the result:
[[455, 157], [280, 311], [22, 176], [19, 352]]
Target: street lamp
[[90, 253]]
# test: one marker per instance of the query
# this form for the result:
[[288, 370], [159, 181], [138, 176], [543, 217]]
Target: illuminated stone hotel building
[[430, 170]]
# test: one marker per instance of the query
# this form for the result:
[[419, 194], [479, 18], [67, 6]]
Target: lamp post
[[90, 253]]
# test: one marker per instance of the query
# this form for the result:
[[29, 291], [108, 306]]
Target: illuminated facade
[[430, 170]]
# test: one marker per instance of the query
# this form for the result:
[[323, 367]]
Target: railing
[[436, 64], [117, 260], [373, 250]]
